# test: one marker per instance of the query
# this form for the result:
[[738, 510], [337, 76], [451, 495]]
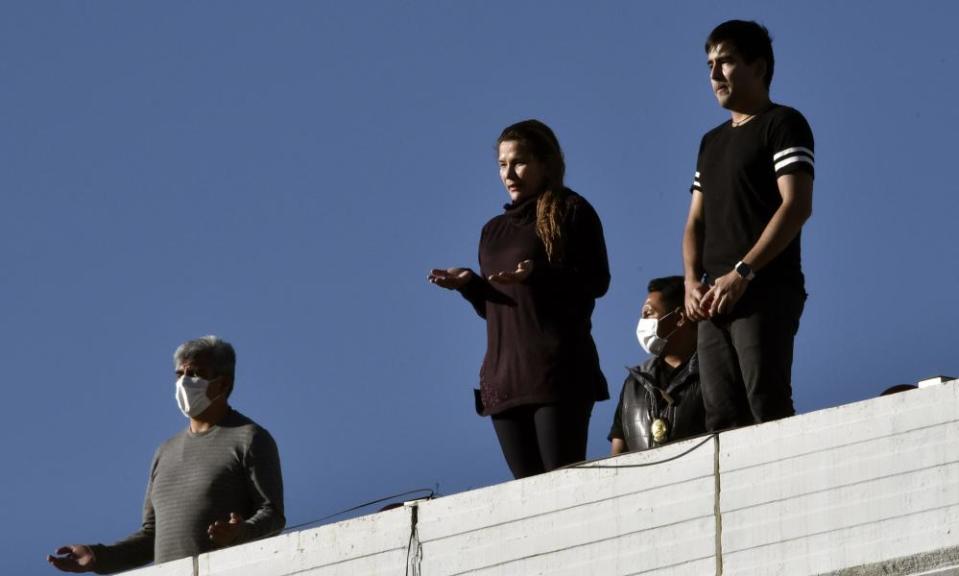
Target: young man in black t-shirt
[[751, 195]]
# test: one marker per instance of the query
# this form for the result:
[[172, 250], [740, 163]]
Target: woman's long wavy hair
[[540, 141]]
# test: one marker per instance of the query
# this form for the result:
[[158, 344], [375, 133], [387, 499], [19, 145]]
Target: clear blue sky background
[[284, 174]]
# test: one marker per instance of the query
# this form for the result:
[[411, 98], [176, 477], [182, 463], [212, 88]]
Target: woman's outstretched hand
[[521, 274], [450, 278]]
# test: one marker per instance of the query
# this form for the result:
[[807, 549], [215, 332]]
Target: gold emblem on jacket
[[659, 430]]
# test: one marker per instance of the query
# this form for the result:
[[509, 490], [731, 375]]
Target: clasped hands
[[703, 302], [456, 278]]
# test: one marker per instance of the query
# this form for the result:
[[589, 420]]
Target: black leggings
[[542, 437]]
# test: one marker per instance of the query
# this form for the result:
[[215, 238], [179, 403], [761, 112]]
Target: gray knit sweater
[[196, 479]]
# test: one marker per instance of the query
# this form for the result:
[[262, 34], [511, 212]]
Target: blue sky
[[285, 174]]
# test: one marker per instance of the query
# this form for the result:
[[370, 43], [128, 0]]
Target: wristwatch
[[744, 270]]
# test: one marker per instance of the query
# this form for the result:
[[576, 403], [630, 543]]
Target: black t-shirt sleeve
[[616, 430], [697, 180], [791, 144]]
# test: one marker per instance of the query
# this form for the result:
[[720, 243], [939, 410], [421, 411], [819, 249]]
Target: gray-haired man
[[215, 484]]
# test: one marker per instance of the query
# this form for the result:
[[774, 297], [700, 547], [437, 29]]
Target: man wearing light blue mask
[[661, 399], [215, 484]]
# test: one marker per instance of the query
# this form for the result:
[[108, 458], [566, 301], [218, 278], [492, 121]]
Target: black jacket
[[679, 404]]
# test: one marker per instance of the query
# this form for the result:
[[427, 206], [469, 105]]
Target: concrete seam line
[[414, 549], [717, 510]]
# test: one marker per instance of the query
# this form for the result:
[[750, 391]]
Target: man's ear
[[226, 386], [682, 319], [760, 66]]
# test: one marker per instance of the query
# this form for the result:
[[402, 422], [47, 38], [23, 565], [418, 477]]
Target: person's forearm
[[132, 552], [266, 522], [692, 252], [476, 291], [617, 447], [785, 224]]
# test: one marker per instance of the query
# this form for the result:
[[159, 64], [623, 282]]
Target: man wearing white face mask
[[215, 484], [661, 399]]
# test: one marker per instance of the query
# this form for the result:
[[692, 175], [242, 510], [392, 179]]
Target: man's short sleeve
[[697, 179], [791, 143]]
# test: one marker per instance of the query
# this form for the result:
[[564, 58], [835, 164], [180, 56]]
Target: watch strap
[[744, 270]]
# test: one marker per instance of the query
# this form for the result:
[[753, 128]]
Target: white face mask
[[647, 332], [191, 395]]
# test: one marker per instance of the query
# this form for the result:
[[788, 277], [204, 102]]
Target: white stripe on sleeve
[[787, 151], [782, 164]]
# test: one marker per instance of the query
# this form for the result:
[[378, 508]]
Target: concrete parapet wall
[[866, 488], [374, 545], [615, 516], [842, 487]]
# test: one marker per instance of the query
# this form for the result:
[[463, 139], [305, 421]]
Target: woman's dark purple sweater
[[539, 348]]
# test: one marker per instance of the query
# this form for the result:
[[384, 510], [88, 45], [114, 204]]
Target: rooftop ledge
[[860, 489]]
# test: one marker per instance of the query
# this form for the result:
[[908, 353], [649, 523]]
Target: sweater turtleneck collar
[[522, 209]]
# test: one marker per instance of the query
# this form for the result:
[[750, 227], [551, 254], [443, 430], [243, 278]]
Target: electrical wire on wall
[[429, 494], [587, 466]]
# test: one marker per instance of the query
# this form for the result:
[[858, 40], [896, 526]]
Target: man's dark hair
[[673, 289], [751, 41]]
